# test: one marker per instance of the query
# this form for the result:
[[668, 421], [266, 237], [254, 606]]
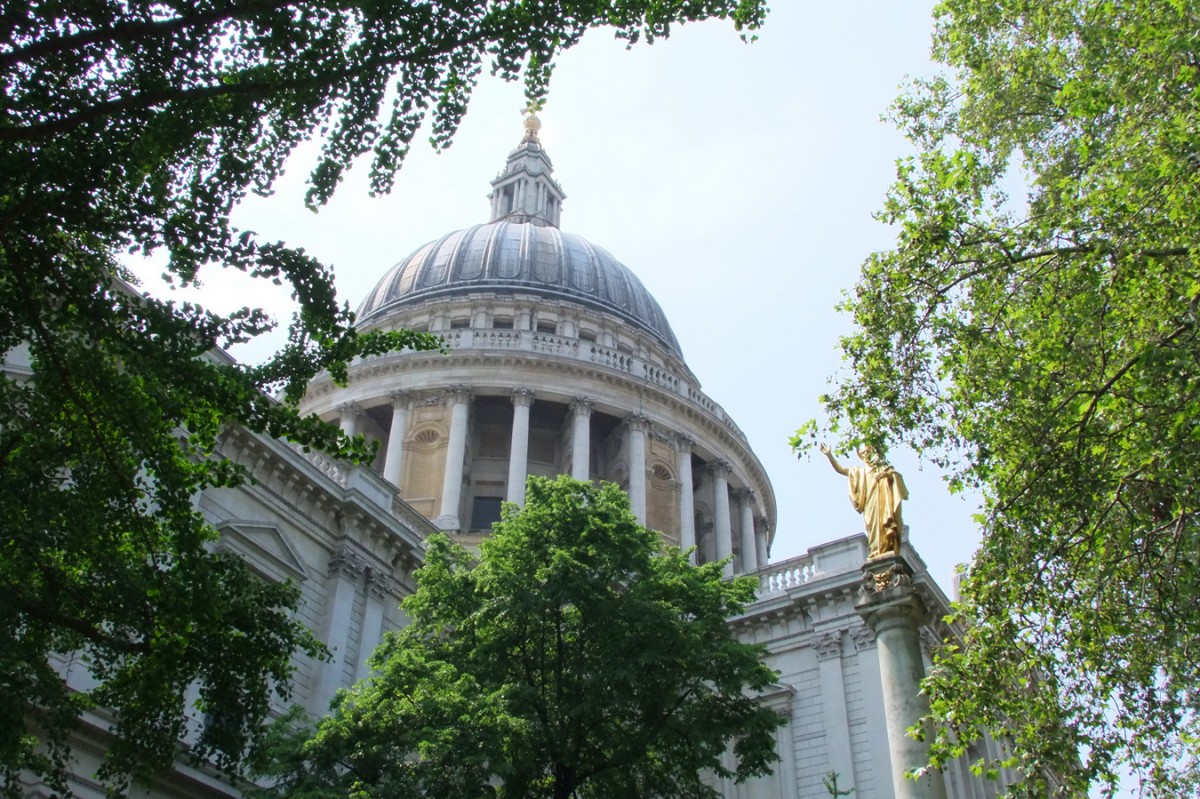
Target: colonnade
[[725, 499]]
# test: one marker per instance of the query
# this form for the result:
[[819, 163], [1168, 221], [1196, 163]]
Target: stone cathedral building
[[560, 361]]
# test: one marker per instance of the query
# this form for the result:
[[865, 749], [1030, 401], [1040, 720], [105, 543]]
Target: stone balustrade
[[592, 352], [779, 577]]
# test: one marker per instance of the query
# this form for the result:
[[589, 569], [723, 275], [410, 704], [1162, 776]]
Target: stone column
[[722, 531], [393, 460], [456, 454], [581, 439], [891, 607], [687, 507], [745, 499], [345, 567], [518, 452], [379, 588], [350, 419], [636, 430], [760, 541]]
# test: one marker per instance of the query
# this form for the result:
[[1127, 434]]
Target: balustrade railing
[[779, 577], [550, 344]]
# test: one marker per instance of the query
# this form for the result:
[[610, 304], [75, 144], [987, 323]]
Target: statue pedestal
[[890, 606]]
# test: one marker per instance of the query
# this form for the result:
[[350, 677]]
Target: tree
[[1044, 350], [576, 658], [137, 126]]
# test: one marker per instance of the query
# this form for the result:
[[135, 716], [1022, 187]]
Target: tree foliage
[[576, 658], [137, 126], [1044, 349]]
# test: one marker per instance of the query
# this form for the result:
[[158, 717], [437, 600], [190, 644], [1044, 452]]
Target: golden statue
[[876, 490]]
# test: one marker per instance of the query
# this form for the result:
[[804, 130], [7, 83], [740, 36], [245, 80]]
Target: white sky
[[737, 181]]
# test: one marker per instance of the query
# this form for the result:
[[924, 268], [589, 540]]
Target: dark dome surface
[[519, 257]]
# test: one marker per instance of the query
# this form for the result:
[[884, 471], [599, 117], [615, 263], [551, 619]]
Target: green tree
[[133, 125], [1044, 350], [576, 658]]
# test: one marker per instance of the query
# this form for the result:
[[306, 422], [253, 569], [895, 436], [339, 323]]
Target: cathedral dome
[[518, 257]]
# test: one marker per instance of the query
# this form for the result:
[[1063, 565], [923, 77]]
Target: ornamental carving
[[874, 582], [379, 584], [828, 645], [345, 562], [863, 637], [522, 396]]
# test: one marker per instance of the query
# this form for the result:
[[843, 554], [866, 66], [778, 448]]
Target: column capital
[[522, 396], [684, 442], [638, 422], [582, 406], [744, 495], [349, 409], [401, 399], [719, 468], [458, 393], [863, 637], [887, 594], [760, 524], [379, 585], [829, 645], [345, 562]]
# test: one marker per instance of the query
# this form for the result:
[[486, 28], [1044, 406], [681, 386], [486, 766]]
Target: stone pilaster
[[892, 609]]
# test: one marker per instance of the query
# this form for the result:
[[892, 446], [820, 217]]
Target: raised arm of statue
[[837, 467]]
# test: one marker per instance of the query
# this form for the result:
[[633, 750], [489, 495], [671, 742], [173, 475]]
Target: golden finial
[[532, 123]]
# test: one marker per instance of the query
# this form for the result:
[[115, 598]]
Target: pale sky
[[738, 181]]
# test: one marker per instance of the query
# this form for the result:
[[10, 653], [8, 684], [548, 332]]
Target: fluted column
[[746, 529], [687, 507], [350, 419], [636, 430], [581, 439], [393, 460], [761, 547], [518, 452], [456, 454], [722, 531]]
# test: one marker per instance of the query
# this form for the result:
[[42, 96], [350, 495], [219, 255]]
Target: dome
[[519, 257]]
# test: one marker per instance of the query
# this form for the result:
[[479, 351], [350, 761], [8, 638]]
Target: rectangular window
[[502, 324], [485, 512], [586, 336], [547, 327], [460, 324]]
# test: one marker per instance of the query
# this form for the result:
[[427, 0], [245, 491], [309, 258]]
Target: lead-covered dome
[[519, 257]]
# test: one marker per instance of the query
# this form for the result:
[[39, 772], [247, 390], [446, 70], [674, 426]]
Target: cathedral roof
[[521, 251], [519, 257]]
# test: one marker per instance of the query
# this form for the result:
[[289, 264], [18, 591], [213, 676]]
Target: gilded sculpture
[[876, 491]]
